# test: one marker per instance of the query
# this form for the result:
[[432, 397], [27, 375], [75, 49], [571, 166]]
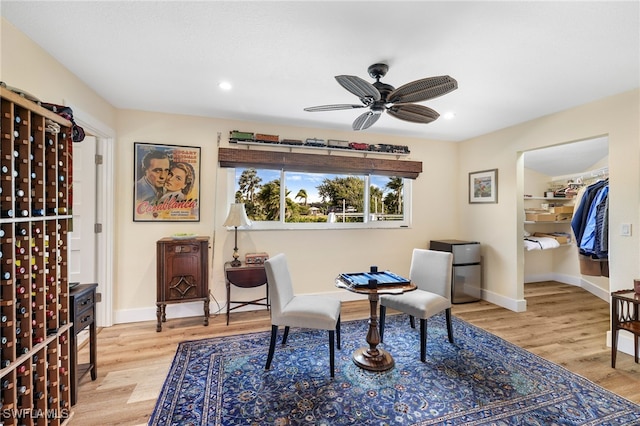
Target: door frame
[[105, 146]]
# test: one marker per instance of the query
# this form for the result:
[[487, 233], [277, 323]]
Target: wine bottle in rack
[[20, 251], [20, 311], [22, 231], [20, 290], [21, 350], [21, 389]]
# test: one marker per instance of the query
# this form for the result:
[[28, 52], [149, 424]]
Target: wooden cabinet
[[83, 314], [35, 327], [183, 274]]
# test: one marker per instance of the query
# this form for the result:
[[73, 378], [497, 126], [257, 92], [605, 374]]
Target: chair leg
[[383, 313], [338, 333], [423, 340], [331, 351], [449, 326], [272, 346], [285, 335], [412, 321]]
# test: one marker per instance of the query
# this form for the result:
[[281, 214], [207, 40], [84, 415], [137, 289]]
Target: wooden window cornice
[[317, 163]]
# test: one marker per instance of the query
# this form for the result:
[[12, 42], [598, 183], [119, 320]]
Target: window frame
[[281, 224]]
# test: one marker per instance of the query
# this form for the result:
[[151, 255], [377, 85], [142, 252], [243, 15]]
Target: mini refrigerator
[[466, 285]]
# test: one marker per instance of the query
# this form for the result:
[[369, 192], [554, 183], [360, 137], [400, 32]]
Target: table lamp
[[237, 217]]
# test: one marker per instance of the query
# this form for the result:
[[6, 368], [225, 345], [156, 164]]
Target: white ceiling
[[570, 158], [514, 61]]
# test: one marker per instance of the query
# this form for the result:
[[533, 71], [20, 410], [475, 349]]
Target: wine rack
[[35, 328]]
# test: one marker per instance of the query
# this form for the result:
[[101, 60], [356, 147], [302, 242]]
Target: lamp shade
[[237, 216]]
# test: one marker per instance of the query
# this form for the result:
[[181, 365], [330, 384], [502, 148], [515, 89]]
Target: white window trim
[[366, 224]]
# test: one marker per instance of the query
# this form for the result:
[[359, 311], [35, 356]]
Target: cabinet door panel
[[184, 274]]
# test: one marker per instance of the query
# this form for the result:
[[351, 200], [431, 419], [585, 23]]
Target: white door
[[83, 248]]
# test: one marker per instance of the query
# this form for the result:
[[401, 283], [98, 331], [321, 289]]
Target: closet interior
[[560, 185]]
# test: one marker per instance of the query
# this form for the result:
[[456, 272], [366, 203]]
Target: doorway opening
[[551, 177], [102, 224]]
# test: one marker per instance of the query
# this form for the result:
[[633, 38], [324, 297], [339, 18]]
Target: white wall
[[26, 66], [498, 225]]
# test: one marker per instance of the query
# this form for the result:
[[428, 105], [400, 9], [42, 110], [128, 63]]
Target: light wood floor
[[563, 324]]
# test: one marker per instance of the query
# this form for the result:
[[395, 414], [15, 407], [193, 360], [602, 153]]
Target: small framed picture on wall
[[483, 187], [166, 183]]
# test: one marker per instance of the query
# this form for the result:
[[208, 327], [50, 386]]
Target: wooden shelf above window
[[318, 163]]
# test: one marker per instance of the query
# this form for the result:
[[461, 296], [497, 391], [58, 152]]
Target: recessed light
[[224, 85], [448, 115]]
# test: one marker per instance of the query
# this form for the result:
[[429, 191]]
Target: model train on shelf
[[237, 136]]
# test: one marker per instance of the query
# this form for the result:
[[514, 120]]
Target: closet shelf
[[530, 222]]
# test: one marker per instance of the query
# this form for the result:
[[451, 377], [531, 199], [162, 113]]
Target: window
[[321, 200]]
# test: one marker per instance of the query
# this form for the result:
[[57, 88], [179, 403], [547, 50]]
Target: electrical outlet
[[625, 229]]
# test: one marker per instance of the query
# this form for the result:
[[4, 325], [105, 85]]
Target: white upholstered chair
[[289, 310], [431, 273]]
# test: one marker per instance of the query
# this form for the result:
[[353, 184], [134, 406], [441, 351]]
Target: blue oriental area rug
[[479, 380]]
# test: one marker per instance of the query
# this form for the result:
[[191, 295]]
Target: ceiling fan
[[378, 96]]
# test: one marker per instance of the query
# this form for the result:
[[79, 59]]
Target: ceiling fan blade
[[359, 87], [421, 90], [333, 107], [365, 120], [414, 113]]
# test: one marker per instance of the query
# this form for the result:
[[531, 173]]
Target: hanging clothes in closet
[[590, 225]]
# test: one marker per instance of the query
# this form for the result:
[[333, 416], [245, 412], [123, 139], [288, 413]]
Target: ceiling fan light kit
[[378, 95]]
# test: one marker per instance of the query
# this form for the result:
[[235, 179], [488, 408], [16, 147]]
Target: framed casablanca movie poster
[[167, 183]]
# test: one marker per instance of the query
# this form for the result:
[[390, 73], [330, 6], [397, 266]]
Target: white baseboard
[[595, 290], [625, 341], [504, 302], [195, 309], [571, 280], [188, 309]]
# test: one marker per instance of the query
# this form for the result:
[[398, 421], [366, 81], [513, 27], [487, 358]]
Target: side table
[[245, 276], [625, 315], [83, 315], [373, 358]]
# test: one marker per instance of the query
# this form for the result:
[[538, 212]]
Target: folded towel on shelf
[[540, 243]]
